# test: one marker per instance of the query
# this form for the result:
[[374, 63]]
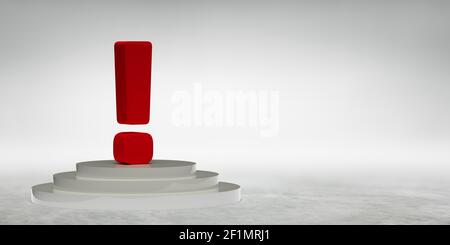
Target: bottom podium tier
[[226, 193], [106, 185]]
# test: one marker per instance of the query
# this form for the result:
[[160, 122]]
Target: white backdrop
[[362, 85]]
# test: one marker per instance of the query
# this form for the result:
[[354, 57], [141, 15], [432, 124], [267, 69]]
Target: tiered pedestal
[[163, 184]]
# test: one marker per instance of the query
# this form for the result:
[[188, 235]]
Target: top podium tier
[[157, 169]]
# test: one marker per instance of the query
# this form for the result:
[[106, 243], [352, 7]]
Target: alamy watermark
[[212, 108]]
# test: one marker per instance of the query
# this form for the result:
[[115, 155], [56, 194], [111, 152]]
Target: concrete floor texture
[[323, 199]]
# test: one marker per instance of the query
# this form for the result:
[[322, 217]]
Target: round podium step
[[163, 184], [68, 181], [226, 193], [110, 169]]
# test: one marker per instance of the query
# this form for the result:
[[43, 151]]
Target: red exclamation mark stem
[[133, 61]]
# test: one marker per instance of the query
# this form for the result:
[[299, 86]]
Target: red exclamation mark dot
[[133, 61]]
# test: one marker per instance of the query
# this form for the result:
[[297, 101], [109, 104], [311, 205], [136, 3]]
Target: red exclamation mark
[[133, 61]]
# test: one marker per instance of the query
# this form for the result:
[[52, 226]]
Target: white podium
[[163, 184]]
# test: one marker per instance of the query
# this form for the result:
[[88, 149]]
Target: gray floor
[[299, 200]]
